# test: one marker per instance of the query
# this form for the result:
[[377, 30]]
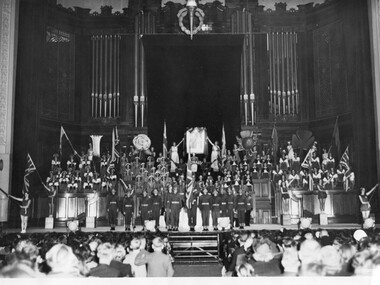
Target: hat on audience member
[[359, 235]]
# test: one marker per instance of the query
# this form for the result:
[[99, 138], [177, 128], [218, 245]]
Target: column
[[8, 16]]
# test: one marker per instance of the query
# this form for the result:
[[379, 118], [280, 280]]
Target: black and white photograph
[[190, 141]]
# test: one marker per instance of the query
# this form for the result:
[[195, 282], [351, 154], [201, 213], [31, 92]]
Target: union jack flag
[[115, 142], [345, 160], [30, 168]]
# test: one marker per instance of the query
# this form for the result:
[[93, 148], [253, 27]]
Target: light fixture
[[193, 10]]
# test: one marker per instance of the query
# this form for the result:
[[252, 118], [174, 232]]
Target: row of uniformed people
[[222, 203], [327, 179]]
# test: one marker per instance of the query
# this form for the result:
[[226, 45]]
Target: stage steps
[[195, 247]]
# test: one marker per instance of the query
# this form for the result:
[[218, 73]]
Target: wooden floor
[[139, 228]]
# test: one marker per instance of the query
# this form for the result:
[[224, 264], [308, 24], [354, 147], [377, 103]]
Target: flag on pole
[[336, 137], [164, 142], [189, 183], [30, 168], [115, 142], [345, 160], [307, 161], [63, 133], [274, 143], [224, 150]]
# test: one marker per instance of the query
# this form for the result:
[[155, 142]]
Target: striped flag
[[189, 183], [164, 142], [307, 161], [30, 168], [345, 160], [115, 142]]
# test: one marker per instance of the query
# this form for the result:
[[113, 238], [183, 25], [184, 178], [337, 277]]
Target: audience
[[255, 253]]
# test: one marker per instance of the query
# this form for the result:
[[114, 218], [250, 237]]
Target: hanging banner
[[196, 140], [96, 145]]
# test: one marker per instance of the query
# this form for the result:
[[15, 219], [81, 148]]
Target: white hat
[[359, 234]]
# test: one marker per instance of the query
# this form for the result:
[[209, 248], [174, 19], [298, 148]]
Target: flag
[[307, 161], [224, 150], [63, 133], [335, 137], [345, 160], [274, 143], [189, 183], [30, 168], [115, 142], [164, 142]]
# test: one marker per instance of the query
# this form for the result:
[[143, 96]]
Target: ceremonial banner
[[96, 144], [196, 140]]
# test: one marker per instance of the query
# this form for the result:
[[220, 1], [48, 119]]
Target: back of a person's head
[[290, 260], [243, 238], [263, 253], [61, 258], [105, 251], [119, 253], [362, 262], [26, 249], [135, 244], [347, 251], [245, 270], [313, 269], [309, 252], [17, 270], [332, 259], [157, 244]]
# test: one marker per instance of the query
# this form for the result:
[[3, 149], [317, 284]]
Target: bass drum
[[142, 142]]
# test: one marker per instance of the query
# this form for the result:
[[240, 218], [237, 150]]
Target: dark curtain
[[193, 84], [361, 92]]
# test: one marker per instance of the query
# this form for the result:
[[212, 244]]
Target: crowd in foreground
[[243, 254]]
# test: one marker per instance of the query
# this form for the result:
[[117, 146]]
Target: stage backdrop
[[193, 83]]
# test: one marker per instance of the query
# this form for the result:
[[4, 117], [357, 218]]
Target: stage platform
[[252, 227]]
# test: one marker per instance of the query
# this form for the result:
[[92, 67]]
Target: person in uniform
[[230, 206], [322, 195], [223, 201], [284, 188], [175, 207], [167, 200], [192, 205], [71, 163], [96, 181], [155, 204], [128, 210], [215, 209], [72, 187], [365, 206], [240, 208], [24, 209], [112, 208], [248, 208], [144, 207], [204, 206], [174, 157], [88, 186]]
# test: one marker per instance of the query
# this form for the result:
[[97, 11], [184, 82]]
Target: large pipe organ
[[296, 72]]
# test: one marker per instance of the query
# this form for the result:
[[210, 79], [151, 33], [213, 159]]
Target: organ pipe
[[105, 76], [283, 81]]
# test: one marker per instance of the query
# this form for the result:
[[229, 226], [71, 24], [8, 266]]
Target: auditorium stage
[[252, 227]]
